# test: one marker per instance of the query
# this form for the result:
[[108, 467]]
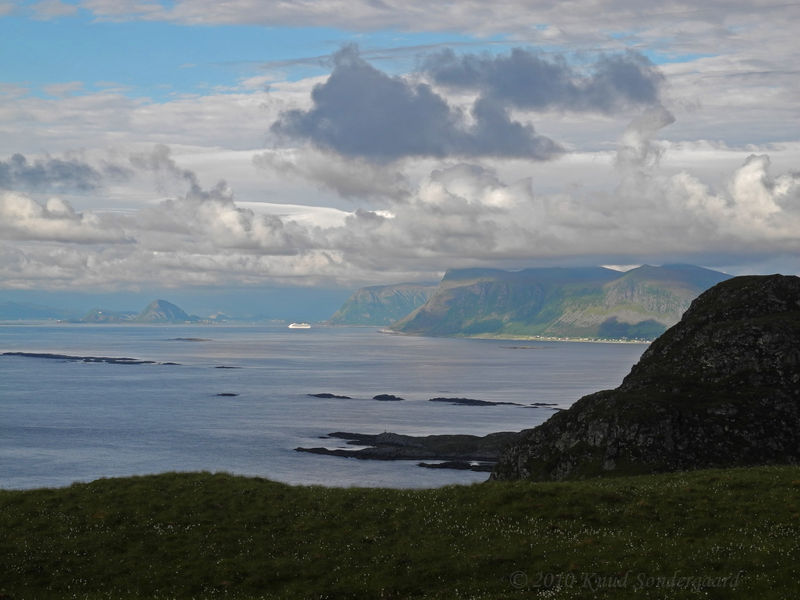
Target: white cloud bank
[[457, 215]]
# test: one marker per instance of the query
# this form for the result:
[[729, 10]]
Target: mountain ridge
[[587, 302]]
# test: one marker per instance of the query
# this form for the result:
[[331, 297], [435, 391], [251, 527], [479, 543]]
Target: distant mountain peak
[[162, 311]]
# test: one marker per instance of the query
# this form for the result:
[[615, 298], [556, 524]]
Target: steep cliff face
[[720, 388], [560, 302], [382, 304]]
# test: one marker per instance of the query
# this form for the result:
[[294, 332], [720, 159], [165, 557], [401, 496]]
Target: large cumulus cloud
[[23, 218], [361, 112], [466, 215], [207, 219]]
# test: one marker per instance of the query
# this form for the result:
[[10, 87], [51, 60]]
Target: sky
[[244, 147]]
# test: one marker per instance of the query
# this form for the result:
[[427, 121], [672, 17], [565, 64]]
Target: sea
[[65, 421]]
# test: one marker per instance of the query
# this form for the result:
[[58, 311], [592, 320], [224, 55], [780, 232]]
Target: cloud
[[108, 118], [56, 175], [760, 197], [529, 80], [517, 16], [362, 112], [214, 223], [53, 9], [62, 90], [637, 149], [208, 218], [22, 218], [461, 214], [160, 162], [353, 178]]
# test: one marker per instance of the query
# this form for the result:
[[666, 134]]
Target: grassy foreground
[[708, 534]]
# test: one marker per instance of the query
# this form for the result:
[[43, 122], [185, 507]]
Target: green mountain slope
[[561, 302], [382, 304]]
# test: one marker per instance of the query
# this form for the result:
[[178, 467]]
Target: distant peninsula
[[559, 303], [158, 311]]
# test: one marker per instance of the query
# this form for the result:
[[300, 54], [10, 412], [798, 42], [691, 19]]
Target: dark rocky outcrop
[[459, 451], [721, 388], [87, 359], [472, 402]]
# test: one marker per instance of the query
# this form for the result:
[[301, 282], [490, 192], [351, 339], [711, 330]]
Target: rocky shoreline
[[456, 451]]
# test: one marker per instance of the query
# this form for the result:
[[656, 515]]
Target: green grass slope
[[711, 534]]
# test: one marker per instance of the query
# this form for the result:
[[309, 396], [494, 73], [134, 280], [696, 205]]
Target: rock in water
[[719, 389]]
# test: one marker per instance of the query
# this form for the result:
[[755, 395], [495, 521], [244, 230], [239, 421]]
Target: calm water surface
[[64, 421]]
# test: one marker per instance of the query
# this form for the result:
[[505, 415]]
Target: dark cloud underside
[[524, 79], [362, 112], [50, 174]]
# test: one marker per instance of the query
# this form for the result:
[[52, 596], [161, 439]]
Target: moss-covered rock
[[721, 388]]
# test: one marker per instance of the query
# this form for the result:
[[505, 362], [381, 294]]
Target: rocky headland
[[721, 388]]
